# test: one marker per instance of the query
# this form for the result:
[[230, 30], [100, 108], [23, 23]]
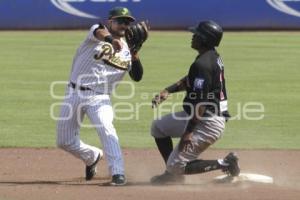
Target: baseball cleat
[[118, 180], [233, 168], [167, 178], [91, 171]]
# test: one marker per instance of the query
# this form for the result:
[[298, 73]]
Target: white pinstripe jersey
[[96, 73]]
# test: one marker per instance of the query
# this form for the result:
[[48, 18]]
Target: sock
[[202, 166], [165, 147]]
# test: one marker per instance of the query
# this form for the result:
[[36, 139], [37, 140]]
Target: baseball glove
[[136, 35]]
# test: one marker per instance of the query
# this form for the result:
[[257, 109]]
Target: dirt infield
[[42, 174]]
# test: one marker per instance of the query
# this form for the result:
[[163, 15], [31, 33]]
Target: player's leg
[[68, 127], [166, 128], [186, 162], [206, 133], [176, 165], [100, 113]]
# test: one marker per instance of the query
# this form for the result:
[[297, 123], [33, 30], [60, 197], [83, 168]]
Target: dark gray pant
[[173, 125]]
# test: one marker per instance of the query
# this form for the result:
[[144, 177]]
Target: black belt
[[74, 86]]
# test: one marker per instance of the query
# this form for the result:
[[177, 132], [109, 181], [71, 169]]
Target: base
[[243, 177]]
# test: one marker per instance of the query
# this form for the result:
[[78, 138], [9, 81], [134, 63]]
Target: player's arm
[[178, 86], [102, 33], [163, 95], [136, 72]]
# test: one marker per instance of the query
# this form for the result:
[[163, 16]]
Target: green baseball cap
[[120, 12]]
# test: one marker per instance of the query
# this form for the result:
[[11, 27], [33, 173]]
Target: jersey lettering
[[107, 54]]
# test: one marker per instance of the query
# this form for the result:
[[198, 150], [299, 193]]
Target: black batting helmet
[[210, 33]]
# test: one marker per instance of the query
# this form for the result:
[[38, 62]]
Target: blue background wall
[[162, 14]]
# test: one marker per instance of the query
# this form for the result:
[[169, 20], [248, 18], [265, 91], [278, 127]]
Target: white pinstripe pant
[[99, 110]]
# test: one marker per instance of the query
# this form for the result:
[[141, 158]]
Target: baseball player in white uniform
[[99, 64]]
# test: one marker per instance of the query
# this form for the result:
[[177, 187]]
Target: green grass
[[260, 67]]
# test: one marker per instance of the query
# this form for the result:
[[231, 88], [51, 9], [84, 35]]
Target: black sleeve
[[201, 82], [136, 72]]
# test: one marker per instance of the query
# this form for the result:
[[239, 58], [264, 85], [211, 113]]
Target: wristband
[[101, 26], [108, 39]]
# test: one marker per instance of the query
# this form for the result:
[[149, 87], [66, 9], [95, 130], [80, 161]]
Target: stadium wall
[[162, 14]]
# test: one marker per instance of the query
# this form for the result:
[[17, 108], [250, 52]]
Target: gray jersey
[[96, 66]]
